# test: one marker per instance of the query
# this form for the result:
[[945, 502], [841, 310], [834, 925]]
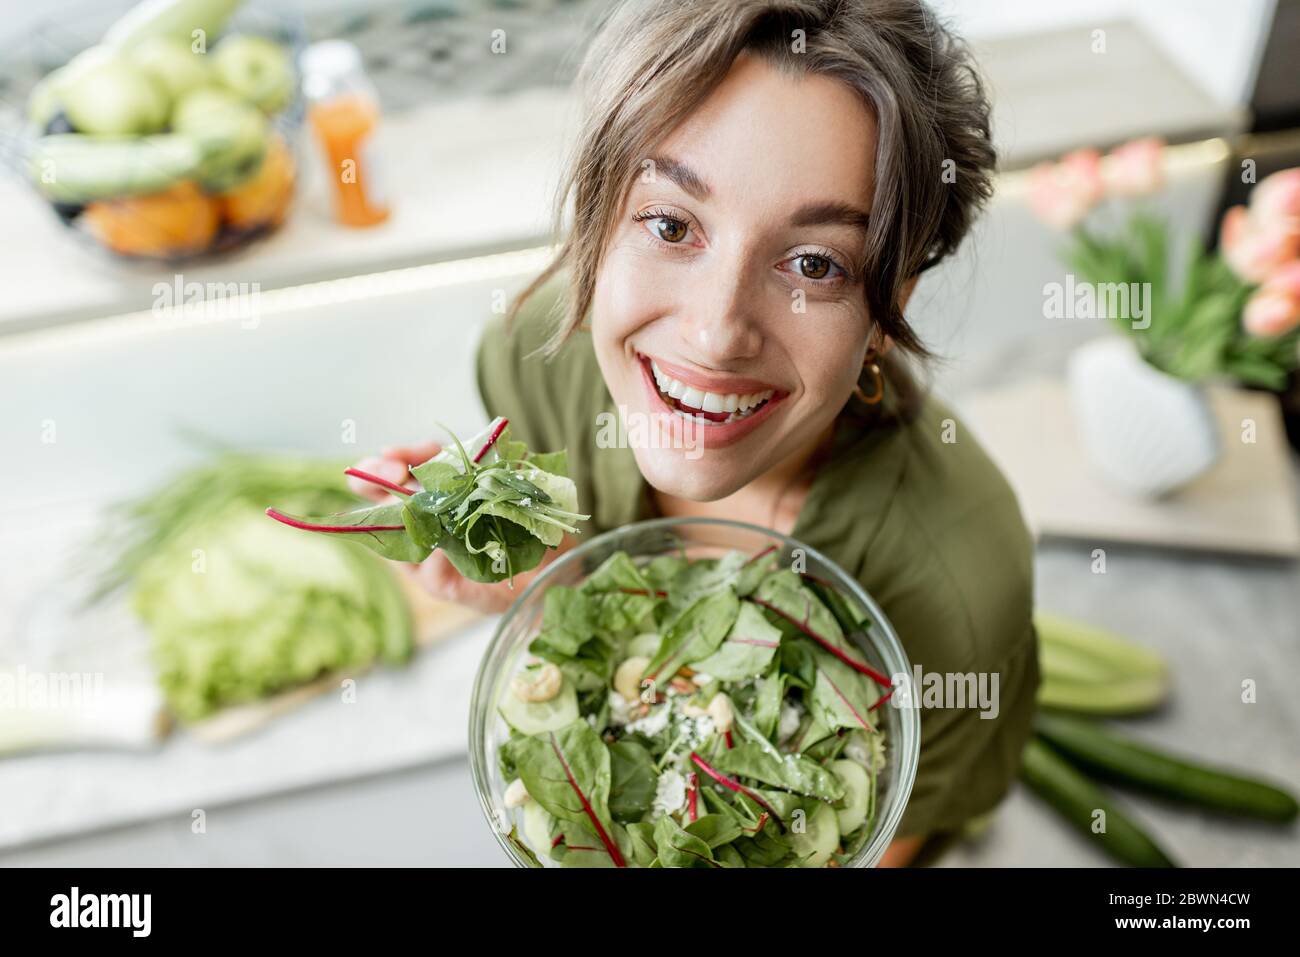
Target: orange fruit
[[175, 222], [264, 197]]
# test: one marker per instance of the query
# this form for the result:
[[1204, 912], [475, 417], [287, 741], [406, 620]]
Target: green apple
[[171, 64], [104, 91], [113, 97], [232, 133], [255, 68]]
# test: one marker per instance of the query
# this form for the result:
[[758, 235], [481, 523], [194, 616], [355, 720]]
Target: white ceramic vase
[[1144, 430]]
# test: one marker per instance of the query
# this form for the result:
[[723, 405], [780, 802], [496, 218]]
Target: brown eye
[[671, 230], [814, 267]]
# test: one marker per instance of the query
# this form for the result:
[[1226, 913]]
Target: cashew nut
[[627, 679], [541, 685], [719, 710], [516, 794]]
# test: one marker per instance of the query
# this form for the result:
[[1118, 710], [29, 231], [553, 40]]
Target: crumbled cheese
[[698, 730], [789, 721], [652, 723], [525, 502], [670, 792], [701, 679], [620, 709]]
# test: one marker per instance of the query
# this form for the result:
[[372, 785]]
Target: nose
[[720, 320]]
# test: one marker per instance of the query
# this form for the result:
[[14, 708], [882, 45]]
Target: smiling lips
[[719, 401]]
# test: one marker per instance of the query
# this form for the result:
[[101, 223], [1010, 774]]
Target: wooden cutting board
[[1246, 503]]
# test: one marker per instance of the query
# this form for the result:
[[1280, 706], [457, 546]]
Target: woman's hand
[[436, 574], [394, 464], [439, 578]]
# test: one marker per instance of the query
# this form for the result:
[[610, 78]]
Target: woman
[[757, 187]]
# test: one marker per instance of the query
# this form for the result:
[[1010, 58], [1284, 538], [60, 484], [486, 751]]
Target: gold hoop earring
[[872, 363]]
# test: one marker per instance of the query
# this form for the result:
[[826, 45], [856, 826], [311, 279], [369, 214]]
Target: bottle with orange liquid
[[343, 109]]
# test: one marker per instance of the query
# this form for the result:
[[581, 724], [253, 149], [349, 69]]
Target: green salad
[[492, 507], [694, 713]]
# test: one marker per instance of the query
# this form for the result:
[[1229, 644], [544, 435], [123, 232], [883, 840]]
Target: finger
[[413, 454], [389, 470]]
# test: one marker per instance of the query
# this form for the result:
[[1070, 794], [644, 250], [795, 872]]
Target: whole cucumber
[[72, 168], [1091, 746], [1078, 799], [171, 18]]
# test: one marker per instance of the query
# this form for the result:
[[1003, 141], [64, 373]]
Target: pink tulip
[[1276, 200], [1061, 194], [1136, 167], [1274, 309], [1255, 248]]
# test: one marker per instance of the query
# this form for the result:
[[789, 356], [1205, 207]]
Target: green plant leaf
[[763, 763], [633, 781], [695, 633], [679, 848]]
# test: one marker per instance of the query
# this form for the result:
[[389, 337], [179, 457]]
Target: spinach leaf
[[379, 527], [660, 571], [798, 609], [568, 773], [827, 748], [493, 513], [695, 633], [763, 763], [769, 691], [566, 619], [715, 829], [841, 697], [642, 839], [798, 664], [590, 668], [755, 570], [633, 781], [619, 595], [680, 848], [847, 612], [765, 848], [704, 577], [581, 847], [747, 650]]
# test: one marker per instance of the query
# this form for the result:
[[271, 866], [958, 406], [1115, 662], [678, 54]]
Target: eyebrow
[[831, 213], [681, 174], [814, 214]]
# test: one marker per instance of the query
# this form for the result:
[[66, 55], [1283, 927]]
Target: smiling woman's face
[[733, 279]]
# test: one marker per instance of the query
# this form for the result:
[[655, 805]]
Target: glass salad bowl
[[653, 547]]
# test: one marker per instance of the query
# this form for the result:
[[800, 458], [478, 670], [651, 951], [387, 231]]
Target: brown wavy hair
[[652, 62]]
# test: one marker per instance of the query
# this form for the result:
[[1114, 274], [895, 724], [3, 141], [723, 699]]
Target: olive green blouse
[[916, 511]]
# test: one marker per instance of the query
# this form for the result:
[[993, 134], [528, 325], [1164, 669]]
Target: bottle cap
[[327, 61]]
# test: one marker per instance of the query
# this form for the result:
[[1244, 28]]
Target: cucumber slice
[[538, 825], [851, 810], [643, 646], [821, 835], [535, 717]]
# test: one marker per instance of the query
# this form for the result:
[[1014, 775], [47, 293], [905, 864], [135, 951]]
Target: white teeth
[[707, 401]]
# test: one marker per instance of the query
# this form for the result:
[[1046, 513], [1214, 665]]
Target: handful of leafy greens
[[237, 608], [706, 713], [493, 512]]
